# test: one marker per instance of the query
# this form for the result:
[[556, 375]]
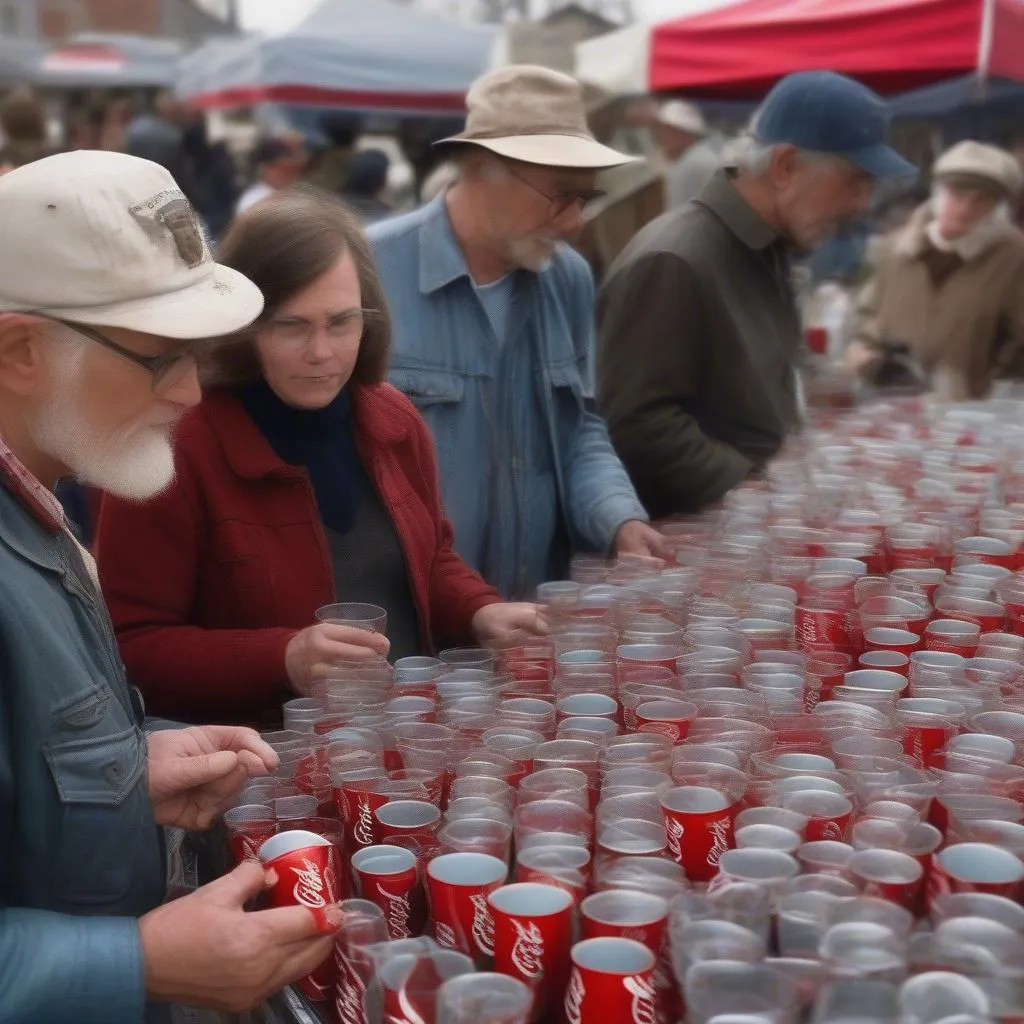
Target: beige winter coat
[[965, 332]]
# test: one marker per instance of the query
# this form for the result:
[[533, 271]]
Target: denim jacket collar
[[441, 259]]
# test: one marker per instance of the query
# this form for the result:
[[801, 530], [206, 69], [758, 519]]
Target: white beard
[[135, 463]]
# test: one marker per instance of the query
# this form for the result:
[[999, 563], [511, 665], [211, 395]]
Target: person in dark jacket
[[97, 362], [698, 325], [302, 480]]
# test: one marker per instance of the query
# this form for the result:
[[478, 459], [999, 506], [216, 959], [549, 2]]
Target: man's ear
[[23, 365], [784, 165]]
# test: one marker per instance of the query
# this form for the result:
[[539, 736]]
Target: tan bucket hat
[[530, 113]]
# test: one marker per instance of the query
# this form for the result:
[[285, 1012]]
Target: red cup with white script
[[307, 875], [387, 876], [699, 824], [249, 827], [976, 867], [458, 885], [532, 938], [611, 982]]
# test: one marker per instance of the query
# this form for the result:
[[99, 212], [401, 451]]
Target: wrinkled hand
[[194, 773], [639, 538], [500, 622], [312, 654], [205, 949]]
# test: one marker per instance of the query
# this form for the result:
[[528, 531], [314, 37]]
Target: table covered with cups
[[776, 778]]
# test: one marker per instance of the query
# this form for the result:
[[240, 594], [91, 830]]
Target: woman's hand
[[313, 654], [504, 621]]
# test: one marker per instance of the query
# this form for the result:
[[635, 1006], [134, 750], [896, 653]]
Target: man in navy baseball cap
[[823, 112], [817, 145], [699, 324]]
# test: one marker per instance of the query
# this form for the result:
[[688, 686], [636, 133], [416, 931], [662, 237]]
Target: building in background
[[58, 20]]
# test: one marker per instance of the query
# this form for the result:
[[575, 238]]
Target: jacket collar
[[32, 495], [441, 258], [249, 453], [721, 197], [911, 242]]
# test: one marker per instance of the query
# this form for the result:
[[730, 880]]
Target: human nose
[[318, 347], [186, 390]]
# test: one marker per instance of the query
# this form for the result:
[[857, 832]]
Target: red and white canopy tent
[[740, 50], [374, 55]]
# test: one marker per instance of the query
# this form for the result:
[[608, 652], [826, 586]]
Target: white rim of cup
[[287, 842], [470, 869], [613, 955], [363, 860], [530, 899], [641, 908]]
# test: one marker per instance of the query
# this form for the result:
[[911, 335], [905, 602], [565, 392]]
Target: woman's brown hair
[[283, 244]]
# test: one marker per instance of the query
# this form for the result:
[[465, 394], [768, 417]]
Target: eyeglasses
[[166, 370], [294, 333], [560, 201]]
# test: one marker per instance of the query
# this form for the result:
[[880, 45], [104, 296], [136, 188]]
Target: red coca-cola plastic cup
[[249, 826], [976, 867], [307, 875], [699, 824], [611, 982], [387, 876], [639, 916], [406, 817], [532, 938], [458, 885]]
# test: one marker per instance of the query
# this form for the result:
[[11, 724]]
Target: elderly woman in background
[[950, 286], [301, 479]]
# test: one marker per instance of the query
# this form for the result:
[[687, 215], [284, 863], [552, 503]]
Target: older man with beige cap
[[106, 289], [950, 285], [692, 153], [493, 337]]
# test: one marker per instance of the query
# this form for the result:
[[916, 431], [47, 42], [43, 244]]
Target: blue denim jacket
[[81, 856], [528, 474]]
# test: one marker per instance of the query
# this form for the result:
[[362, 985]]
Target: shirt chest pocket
[[103, 815], [438, 395]]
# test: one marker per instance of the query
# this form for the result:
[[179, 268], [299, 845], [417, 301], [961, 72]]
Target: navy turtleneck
[[321, 440]]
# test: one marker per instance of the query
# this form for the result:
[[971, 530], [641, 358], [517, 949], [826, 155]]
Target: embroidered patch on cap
[[169, 211]]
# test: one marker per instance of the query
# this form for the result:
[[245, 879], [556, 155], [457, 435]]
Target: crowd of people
[[433, 413]]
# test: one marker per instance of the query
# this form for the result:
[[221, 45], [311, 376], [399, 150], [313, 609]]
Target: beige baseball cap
[[536, 115], [682, 115], [982, 165], [109, 239]]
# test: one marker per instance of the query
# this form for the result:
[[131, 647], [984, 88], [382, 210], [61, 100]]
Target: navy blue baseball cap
[[830, 113]]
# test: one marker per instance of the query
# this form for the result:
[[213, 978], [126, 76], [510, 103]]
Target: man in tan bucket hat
[[493, 335]]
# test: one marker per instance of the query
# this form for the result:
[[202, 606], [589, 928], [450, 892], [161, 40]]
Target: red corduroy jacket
[[208, 582]]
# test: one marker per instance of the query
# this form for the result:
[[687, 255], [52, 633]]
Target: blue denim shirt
[[81, 857], [528, 474]]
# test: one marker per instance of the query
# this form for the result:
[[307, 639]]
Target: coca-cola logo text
[[349, 1000], [310, 886], [719, 829], [674, 831], [483, 924], [397, 910], [574, 994], [445, 934], [528, 950], [644, 1005], [363, 830]]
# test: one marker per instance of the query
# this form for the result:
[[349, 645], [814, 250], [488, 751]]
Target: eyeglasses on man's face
[[166, 370], [562, 200]]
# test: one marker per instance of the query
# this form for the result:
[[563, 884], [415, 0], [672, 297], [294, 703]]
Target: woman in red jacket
[[301, 479]]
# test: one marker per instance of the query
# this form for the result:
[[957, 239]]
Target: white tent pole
[[988, 26]]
